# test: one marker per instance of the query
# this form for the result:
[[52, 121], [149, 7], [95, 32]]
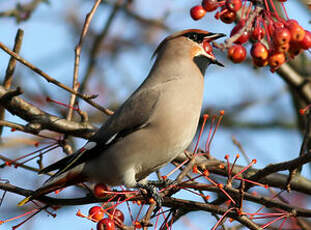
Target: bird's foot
[[170, 183], [151, 193], [163, 183]]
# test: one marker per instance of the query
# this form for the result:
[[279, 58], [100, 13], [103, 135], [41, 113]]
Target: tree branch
[[39, 120]]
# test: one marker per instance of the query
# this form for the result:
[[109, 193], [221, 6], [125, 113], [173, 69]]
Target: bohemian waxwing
[[155, 124]]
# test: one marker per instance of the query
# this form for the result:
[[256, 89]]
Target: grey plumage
[[156, 123]]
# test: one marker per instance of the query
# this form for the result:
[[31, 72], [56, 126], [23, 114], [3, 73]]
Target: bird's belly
[[141, 152], [166, 147]]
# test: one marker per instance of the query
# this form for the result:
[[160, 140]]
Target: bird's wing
[[131, 116]]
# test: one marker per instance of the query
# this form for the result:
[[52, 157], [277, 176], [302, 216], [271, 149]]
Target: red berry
[[137, 225], [281, 36], [295, 48], [227, 16], [283, 48], [96, 213], [208, 48], [258, 33], [278, 25], [197, 12], [100, 190], [306, 42], [290, 21], [116, 213], [296, 31], [245, 35], [234, 5], [106, 224], [210, 5], [260, 63], [237, 53], [259, 51], [276, 60]]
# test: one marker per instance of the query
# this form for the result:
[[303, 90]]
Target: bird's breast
[[178, 112]]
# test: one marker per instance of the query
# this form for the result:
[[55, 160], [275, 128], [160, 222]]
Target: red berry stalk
[[285, 38]]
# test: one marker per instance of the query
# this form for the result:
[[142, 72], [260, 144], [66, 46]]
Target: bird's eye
[[194, 37]]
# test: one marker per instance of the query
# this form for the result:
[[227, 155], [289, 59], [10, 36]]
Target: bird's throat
[[202, 63]]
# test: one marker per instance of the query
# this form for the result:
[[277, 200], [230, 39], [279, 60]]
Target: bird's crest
[[176, 35]]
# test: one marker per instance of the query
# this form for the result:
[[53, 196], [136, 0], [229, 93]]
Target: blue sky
[[49, 43]]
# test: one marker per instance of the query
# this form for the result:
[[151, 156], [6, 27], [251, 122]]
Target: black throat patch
[[202, 63]]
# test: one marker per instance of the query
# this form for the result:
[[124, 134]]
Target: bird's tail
[[69, 178], [42, 191], [24, 201]]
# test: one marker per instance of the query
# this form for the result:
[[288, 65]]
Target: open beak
[[211, 37]]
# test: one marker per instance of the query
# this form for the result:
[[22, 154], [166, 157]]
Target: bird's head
[[192, 43]]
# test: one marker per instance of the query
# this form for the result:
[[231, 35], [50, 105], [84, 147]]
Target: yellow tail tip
[[24, 201]]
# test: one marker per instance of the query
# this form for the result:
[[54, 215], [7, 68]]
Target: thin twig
[[47, 77], [96, 45], [75, 82], [39, 120], [10, 70], [5, 159], [22, 12]]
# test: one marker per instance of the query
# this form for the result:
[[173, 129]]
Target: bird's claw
[[163, 183], [170, 183], [152, 193]]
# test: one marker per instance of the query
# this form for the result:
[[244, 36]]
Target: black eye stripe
[[195, 36]]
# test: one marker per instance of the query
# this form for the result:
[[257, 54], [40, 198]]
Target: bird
[[152, 127]]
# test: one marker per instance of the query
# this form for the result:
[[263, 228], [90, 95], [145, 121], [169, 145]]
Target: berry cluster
[[284, 37], [107, 219], [97, 213]]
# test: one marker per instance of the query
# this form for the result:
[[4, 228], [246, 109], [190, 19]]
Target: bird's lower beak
[[217, 63], [211, 37]]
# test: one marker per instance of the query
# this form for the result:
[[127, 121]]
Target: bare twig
[[5, 159], [240, 147], [10, 69], [97, 43], [267, 175], [75, 83], [22, 12], [16, 126], [86, 98], [39, 119]]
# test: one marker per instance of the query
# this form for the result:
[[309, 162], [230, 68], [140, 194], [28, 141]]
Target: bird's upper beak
[[213, 36], [209, 38]]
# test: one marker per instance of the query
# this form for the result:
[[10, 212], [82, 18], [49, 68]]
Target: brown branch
[[240, 147], [186, 205], [97, 43], [299, 184], [301, 85], [75, 83], [286, 165], [12, 62], [86, 98], [259, 199], [16, 126], [22, 12], [169, 202], [5, 159], [10, 70], [39, 120]]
